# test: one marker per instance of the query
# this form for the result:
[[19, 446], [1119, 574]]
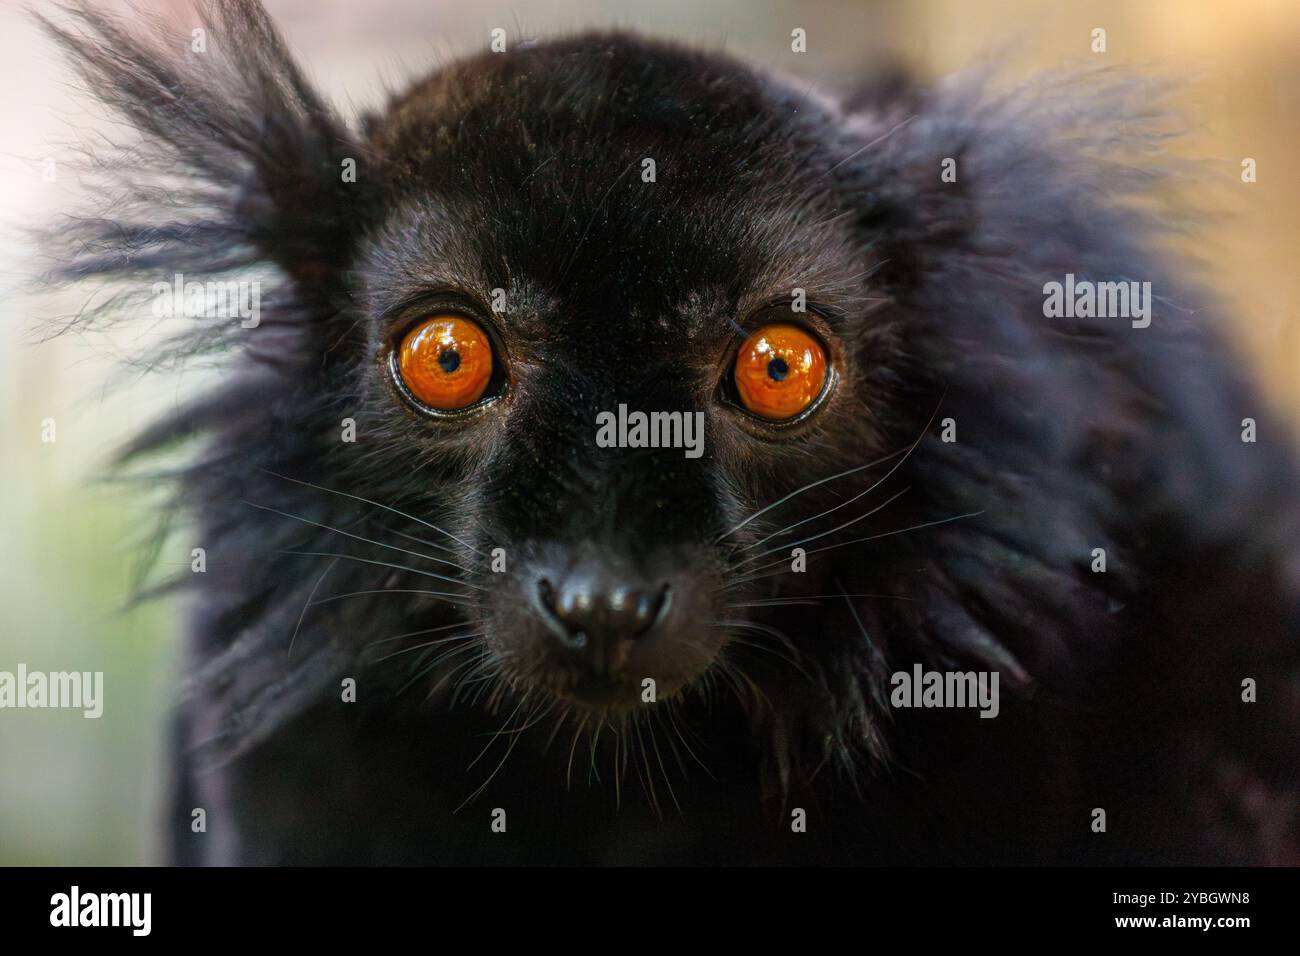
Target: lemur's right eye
[[445, 362]]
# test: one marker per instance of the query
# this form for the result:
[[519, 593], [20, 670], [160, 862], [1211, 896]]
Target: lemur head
[[598, 372], [616, 302]]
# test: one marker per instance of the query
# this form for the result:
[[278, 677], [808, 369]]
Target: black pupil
[[449, 359], [777, 369]]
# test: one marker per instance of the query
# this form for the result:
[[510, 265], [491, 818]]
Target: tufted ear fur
[[232, 162], [230, 168], [1076, 434]]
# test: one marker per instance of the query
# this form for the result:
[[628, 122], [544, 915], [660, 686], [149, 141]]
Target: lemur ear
[[237, 164]]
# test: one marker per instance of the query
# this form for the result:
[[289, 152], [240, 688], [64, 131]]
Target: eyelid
[[402, 317], [819, 320], [812, 321]]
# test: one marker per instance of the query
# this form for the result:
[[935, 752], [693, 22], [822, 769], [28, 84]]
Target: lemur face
[[612, 348]]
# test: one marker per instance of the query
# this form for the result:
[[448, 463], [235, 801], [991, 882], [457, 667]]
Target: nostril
[[631, 613], [634, 613], [652, 608], [546, 592], [556, 621]]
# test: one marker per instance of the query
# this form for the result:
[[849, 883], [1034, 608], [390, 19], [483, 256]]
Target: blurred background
[[78, 791]]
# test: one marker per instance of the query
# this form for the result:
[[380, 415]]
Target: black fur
[[521, 171]]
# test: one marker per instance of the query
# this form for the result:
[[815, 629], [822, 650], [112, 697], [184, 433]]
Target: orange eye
[[780, 371], [446, 362]]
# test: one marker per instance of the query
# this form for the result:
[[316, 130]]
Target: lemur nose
[[598, 614]]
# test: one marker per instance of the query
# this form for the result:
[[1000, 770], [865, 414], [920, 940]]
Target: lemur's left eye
[[445, 362], [780, 371]]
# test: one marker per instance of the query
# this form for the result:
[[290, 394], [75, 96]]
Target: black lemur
[[623, 430]]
